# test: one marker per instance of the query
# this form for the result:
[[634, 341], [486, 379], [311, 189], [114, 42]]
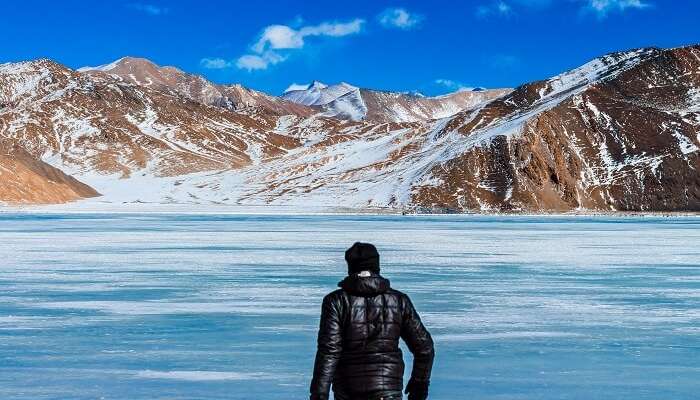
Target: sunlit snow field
[[163, 306]]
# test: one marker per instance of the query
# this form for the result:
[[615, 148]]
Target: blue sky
[[434, 46]]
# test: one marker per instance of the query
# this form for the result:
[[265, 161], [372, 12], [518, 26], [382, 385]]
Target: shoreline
[[222, 209]]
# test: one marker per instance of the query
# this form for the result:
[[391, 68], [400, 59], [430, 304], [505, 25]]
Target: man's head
[[362, 257]]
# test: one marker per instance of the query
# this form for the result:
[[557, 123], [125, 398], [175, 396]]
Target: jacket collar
[[365, 284]]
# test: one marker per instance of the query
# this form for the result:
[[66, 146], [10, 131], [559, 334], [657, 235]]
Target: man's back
[[358, 341]]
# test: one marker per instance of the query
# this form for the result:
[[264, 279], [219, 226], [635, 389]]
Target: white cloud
[[603, 7], [503, 8], [148, 8], [215, 63], [283, 37], [253, 62], [599, 7], [499, 8], [335, 29], [399, 18], [448, 83], [279, 37], [452, 84]]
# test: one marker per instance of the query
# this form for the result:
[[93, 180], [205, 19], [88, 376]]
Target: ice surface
[[212, 306]]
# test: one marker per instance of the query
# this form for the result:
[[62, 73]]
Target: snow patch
[[694, 100], [22, 79], [684, 144], [350, 106], [103, 68], [602, 67]]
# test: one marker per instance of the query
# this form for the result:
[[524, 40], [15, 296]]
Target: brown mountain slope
[[142, 72], [109, 126], [628, 141], [399, 107], [25, 180]]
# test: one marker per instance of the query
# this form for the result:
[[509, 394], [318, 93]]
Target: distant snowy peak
[[341, 100], [346, 101], [295, 86], [317, 85], [349, 106], [317, 93]]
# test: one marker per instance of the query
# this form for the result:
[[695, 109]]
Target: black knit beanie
[[362, 257]]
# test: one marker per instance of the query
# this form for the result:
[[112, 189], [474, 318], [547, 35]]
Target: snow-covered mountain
[[318, 94], [107, 125], [142, 72], [619, 133], [349, 102]]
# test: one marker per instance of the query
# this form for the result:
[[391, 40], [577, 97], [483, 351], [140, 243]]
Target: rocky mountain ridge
[[143, 72], [621, 132], [350, 102]]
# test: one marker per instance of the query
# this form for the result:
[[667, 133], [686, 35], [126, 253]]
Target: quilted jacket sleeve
[[330, 346], [419, 342]]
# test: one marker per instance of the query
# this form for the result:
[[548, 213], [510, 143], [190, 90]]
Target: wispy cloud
[[252, 62], [399, 18], [603, 7], [215, 63], [452, 84], [149, 9], [274, 39], [499, 8], [283, 37]]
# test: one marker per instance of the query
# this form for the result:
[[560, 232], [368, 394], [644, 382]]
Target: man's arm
[[420, 343], [330, 346]]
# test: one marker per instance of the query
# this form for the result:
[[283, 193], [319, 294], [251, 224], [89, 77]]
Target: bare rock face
[[25, 180], [622, 132]]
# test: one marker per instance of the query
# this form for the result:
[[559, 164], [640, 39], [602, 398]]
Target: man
[[358, 339]]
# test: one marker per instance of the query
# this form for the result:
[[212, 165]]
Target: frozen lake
[[129, 306]]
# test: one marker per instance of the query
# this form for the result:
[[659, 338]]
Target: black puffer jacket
[[358, 339]]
